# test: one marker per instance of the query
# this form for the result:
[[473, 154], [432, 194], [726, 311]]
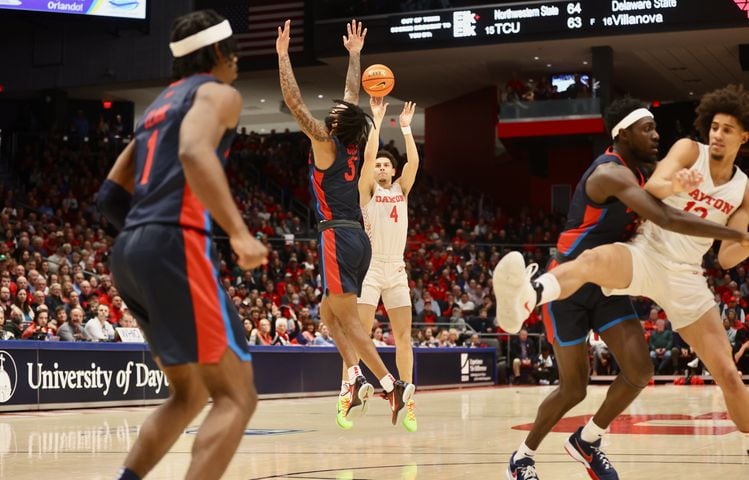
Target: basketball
[[378, 80]]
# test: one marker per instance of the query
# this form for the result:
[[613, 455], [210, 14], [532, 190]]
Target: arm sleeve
[[113, 202]]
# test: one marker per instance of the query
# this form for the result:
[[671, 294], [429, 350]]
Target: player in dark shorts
[[344, 249], [164, 261], [605, 209]]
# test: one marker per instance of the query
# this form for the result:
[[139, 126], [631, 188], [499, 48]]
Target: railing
[[518, 111]]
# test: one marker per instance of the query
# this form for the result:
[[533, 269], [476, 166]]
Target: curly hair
[[203, 59], [732, 100], [620, 108], [352, 124]]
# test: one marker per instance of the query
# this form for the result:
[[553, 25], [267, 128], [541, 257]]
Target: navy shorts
[[344, 255], [568, 321], [168, 277]]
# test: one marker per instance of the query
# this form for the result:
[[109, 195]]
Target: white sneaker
[[693, 363], [516, 297]]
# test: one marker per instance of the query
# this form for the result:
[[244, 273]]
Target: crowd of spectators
[[54, 245]]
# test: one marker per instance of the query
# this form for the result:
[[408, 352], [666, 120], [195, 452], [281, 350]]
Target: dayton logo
[[8, 376], [743, 5]]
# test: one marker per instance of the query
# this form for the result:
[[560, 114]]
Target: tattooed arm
[[353, 43], [313, 128]]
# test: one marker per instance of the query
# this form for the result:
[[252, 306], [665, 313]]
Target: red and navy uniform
[[344, 251], [590, 224], [164, 261]]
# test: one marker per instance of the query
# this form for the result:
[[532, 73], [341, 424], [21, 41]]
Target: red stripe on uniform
[[209, 326], [332, 274], [546, 314], [192, 213], [568, 238], [320, 194]]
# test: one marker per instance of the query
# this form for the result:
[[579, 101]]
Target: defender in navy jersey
[[164, 261], [604, 210], [344, 248]]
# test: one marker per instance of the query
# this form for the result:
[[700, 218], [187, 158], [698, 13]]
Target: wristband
[[406, 130]]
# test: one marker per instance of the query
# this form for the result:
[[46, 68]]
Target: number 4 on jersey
[[394, 213]]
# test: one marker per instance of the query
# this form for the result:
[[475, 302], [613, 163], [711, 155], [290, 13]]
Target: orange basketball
[[377, 80]]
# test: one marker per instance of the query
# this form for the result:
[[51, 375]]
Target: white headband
[[209, 36], [629, 120]]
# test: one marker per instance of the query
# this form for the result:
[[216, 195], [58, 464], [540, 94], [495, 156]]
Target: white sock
[[524, 451], [345, 386], [387, 382], [551, 289], [591, 432], [353, 372]]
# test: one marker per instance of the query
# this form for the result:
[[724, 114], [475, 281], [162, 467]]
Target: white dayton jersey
[[711, 202], [386, 223]]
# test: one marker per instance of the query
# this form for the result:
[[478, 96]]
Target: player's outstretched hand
[[407, 114], [284, 34], [686, 180], [250, 252], [354, 41], [379, 107]]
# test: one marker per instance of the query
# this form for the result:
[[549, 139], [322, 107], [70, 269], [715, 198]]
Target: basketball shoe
[[523, 469], [361, 391], [516, 297], [398, 398], [342, 406], [409, 420], [589, 454]]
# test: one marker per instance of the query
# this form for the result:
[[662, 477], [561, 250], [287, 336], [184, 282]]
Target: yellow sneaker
[[342, 407], [409, 420]]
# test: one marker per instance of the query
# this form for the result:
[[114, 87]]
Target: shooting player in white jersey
[[385, 214]]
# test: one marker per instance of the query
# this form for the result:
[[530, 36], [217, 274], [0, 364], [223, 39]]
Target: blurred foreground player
[[344, 248], [164, 261]]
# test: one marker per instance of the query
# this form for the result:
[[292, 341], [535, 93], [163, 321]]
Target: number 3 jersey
[[336, 188], [711, 202], [386, 223]]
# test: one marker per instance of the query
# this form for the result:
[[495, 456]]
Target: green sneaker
[[342, 407], [409, 420]]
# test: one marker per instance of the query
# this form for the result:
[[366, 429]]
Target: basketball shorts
[[568, 321], [680, 289], [168, 277], [344, 254], [389, 281]]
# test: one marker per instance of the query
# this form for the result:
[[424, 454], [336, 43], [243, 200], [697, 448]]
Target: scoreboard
[[545, 20]]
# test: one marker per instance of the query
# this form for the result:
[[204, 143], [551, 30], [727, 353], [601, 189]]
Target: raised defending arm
[[353, 42], [313, 128]]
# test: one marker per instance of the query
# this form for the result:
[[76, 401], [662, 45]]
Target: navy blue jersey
[[336, 188], [590, 224], [161, 193]]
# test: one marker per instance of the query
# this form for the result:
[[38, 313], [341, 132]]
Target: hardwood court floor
[[669, 433]]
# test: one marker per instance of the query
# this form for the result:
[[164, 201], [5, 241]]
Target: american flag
[[255, 24]]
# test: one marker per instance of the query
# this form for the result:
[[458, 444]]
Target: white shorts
[[387, 280], [680, 289]]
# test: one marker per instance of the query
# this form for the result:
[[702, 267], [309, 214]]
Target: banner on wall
[[35, 377]]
